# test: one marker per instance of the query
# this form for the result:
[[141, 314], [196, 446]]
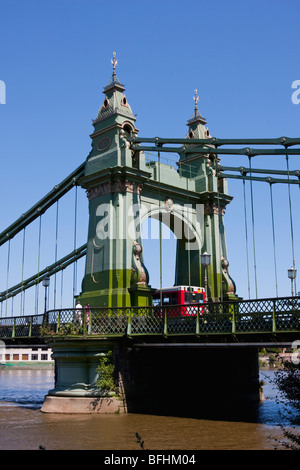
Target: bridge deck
[[248, 321]]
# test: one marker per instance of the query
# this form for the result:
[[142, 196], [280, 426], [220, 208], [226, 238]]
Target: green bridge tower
[[123, 191]]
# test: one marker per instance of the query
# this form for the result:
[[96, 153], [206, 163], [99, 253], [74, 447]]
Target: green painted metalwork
[[285, 141], [48, 271], [249, 317], [189, 149], [267, 179], [40, 207], [244, 171]]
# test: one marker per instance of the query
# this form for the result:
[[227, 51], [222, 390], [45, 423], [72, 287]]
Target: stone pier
[[170, 379]]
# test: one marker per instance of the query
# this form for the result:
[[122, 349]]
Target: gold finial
[[114, 63]]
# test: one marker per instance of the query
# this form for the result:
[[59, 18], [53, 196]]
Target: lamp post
[[292, 276], [205, 261], [46, 283]]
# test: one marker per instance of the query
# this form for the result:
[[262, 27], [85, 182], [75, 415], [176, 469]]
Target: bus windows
[[168, 298], [193, 297]]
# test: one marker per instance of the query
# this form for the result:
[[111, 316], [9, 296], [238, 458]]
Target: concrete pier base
[[76, 375], [84, 405]]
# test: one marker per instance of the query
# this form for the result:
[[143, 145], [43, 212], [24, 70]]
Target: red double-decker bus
[[180, 295]]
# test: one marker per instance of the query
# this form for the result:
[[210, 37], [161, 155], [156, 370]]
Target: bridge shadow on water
[[267, 412], [239, 413], [204, 384]]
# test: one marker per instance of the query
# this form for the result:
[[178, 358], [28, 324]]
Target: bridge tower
[[123, 190]]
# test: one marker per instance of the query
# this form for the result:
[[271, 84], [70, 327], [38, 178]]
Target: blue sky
[[55, 60]]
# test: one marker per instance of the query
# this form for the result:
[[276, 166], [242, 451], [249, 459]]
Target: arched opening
[[127, 130], [159, 255], [171, 248]]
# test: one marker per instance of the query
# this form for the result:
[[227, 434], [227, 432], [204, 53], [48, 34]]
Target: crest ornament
[[169, 204]]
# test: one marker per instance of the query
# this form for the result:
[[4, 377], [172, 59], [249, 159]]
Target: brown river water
[[24, 427]]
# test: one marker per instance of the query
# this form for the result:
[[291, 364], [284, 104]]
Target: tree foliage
[[287, 380], [106, 371]]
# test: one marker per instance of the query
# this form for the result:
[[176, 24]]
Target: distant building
[[25, 355]]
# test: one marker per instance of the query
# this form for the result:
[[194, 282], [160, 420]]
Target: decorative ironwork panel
[[181, 325], [51, 317], [6, 327], [111, 324], [287, 315], [215, 323], [147, 321], [36, 326], [255, 322], [291, 305], [22, 327], [66, 317], [287, 321], [255, 306]]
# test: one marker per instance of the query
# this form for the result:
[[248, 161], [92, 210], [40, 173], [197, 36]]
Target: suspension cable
[[189, 251], [274, 243], [56, 240], [220, 242], [75, 241], [38, 273], [23, 259], [40, 207], [291, 220], [61, 288], [246, 234], [48, 271], [7, 275], [160, 228], [24, 294], [253, 229]]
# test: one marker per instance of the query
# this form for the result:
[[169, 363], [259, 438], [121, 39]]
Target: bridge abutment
[[168, 379], [76, 377]]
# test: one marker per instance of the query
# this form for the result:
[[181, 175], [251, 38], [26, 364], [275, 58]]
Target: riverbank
[[273, 358], [28, 366]]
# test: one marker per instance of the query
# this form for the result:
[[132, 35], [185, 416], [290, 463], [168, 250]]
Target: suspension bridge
[[128, 180]]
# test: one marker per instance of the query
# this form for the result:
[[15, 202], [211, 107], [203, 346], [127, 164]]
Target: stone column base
[[141, 296], [99, 405]]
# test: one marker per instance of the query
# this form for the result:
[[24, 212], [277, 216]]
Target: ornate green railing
[[274, 315]]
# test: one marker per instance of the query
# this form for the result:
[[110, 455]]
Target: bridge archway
[[184, 222], [159, 254]]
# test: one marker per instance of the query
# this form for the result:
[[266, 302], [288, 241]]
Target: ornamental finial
[[196, 98], [196, 116], [114, 63]]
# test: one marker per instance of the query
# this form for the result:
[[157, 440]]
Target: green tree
[[287, 380]]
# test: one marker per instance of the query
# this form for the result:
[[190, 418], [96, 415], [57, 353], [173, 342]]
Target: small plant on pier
[[106, 371]]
